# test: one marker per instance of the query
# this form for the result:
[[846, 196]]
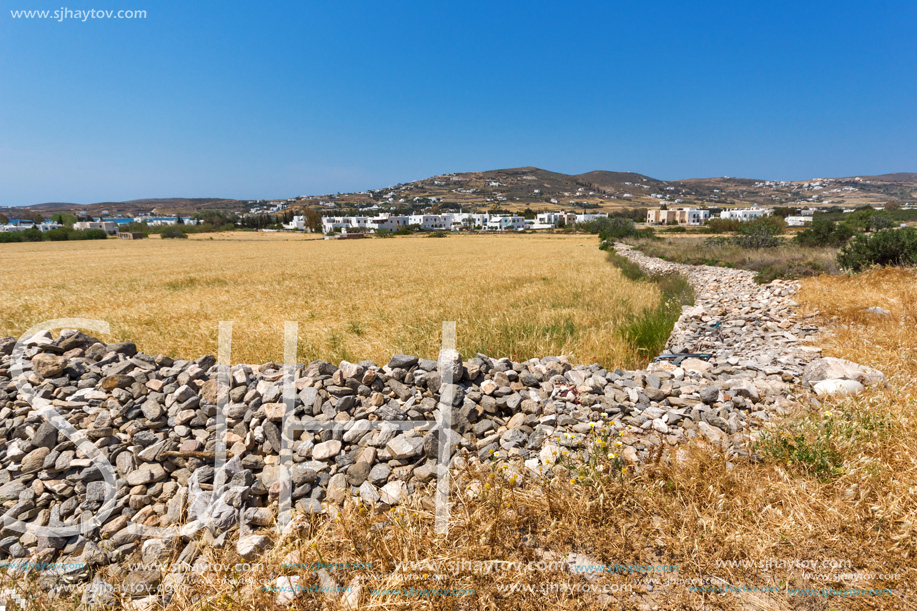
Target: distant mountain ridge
[[529, 186]]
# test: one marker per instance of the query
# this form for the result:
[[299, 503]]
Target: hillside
[[162, 206], [516, 189]]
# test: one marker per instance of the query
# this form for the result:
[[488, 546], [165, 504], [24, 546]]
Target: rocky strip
[[754, 331], [154, 420]]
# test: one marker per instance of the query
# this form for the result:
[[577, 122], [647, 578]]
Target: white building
[[591, 216], [391, 222], [798, 221], [550, 218], [108, 227], [450, 221], [22, 224], [692, 216], [334, 223], [505, 223], [745, 214], [297, 224], [432, 222]]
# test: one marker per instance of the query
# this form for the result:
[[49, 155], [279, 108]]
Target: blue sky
[[246, 100]]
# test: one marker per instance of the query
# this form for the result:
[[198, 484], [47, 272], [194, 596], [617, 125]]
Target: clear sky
[[261, 100]]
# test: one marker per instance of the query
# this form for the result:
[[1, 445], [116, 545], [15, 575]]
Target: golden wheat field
[[510, 295]]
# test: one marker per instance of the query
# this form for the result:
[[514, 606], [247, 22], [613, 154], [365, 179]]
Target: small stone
[[34, 460], [402, 447], [110, 383], [402, 361], [326, 450], [138, 584], [45, 436], [250, 546], [392, 492], [48, 365]]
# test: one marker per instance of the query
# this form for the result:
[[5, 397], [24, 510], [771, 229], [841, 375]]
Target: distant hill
[[164, 206], [516, 189], [906, 177]]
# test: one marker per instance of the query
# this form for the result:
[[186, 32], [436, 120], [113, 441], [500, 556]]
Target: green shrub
[[95, 234], [723, 225], [57, 235], [760, 233], [31, 235], [865, 218], [824, 233], [790, 270], [717, 242], [809, 448], [617, 228], [9, 236], [439, 233], [887, 247], [173, 233], [675, 229]]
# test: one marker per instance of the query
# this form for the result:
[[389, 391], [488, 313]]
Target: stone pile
[[153, 419]]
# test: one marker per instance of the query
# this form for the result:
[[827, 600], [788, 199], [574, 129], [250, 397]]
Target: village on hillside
[[426, 221]]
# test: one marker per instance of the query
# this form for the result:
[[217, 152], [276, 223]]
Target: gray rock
[[403, 447], [402, 361]]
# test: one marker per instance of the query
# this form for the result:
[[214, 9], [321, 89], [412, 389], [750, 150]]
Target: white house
[[549, 218], [334, 223], [22, 224], [391, 222], [506, 223], [297, 224], [692, 216], [798, 221], [745, 214], [109, 227], [591, 216]]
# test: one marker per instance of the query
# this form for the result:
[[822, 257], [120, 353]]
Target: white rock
[[392, 492], [693, 364], [660, 426], [368, 493], [337, 488], [837, 387], [403, 447], [250, 546], [351, 597], [830, 368], [326, 450], [711, 433]]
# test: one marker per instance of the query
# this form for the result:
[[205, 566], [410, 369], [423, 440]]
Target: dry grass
[[521, 296]]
